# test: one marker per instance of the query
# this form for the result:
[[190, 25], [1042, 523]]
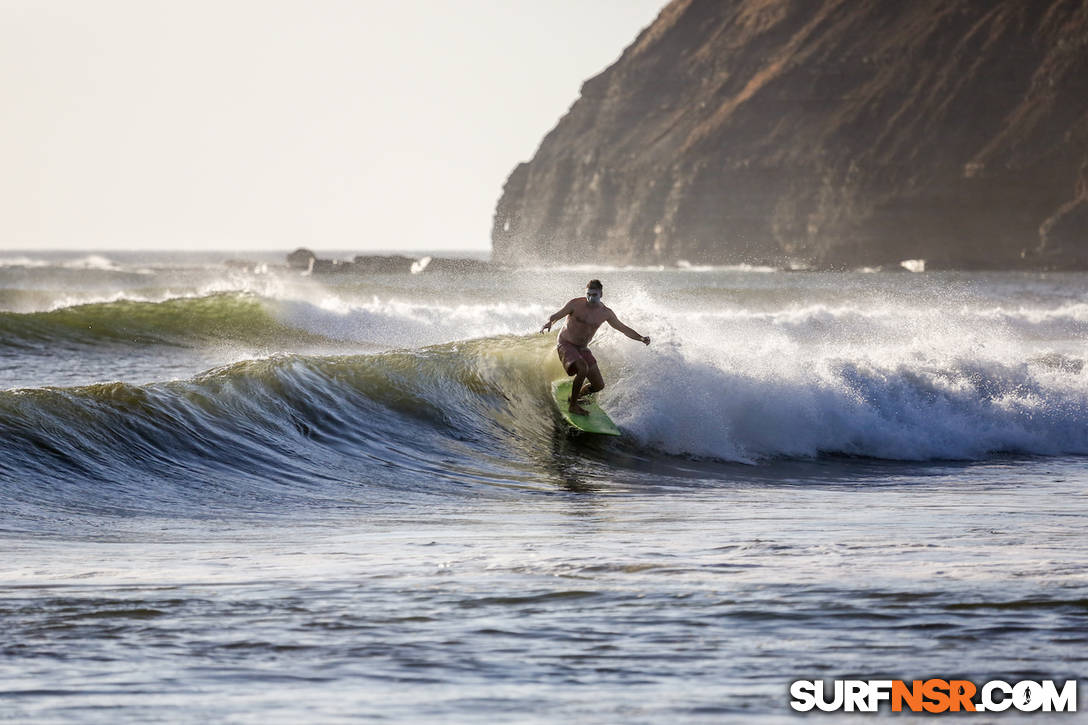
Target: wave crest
[[220, 317]]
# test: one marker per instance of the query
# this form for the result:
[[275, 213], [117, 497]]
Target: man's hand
[[645, 341], [547, 327]]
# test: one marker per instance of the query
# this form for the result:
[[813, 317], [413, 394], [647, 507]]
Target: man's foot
[[577, 409]]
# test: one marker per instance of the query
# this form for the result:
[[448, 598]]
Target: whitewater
[[234, 491]]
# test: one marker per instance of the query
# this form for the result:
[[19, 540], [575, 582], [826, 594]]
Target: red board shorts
[[570, 354]]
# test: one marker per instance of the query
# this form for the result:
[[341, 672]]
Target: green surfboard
[[596, 422]]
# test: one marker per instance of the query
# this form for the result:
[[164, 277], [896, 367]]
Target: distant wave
[[90, 261], [177, 321], [869, 324]]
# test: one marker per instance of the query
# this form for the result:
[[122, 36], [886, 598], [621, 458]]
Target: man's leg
[[576, 388], [596, 382], [593, 374]]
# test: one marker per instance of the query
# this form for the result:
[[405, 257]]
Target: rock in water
[[302, 259], [830, 133]]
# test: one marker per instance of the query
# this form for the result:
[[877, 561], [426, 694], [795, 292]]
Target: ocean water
[[239, 494]]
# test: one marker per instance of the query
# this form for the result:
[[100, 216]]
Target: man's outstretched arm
[[567, 309], [615, 322]]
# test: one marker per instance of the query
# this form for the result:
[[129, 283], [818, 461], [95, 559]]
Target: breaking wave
[[478, 413]]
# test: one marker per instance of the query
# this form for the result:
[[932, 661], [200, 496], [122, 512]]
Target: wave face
[[289, 428], [287, 389]]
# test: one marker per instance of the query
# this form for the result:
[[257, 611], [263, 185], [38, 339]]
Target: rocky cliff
[[826, 133]]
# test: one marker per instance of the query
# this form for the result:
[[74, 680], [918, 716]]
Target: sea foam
[[887, 382]]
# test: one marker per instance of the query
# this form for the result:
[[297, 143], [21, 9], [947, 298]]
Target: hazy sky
[[235, 124]]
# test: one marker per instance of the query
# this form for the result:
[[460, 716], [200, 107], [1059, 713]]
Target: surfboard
[[596, 422]]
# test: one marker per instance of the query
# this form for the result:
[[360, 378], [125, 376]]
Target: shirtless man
[[586, 315]]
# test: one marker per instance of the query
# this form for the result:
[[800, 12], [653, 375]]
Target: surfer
[[586, 315]]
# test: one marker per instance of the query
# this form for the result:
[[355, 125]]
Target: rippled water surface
[[243, 495]]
